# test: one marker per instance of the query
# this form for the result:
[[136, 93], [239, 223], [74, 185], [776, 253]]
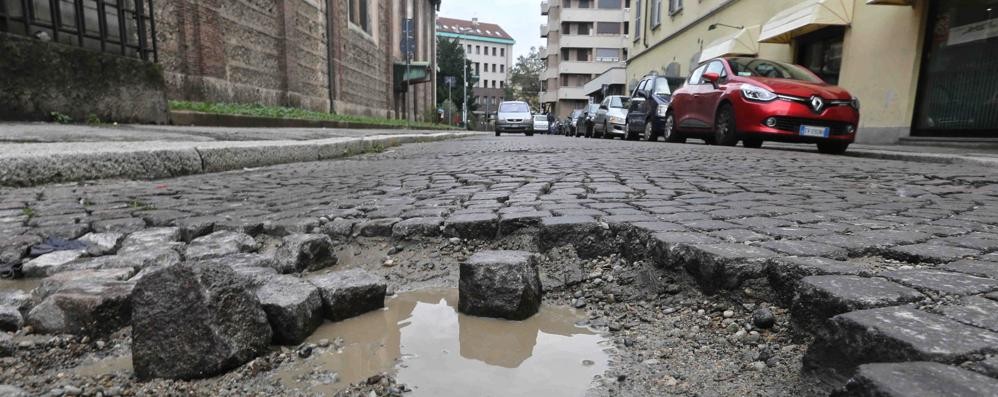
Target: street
[[687, 242]]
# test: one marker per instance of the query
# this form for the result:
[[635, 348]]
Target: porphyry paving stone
[[942, 281], [821, 297], [785, 273], [483, 225], [806, 248], [931, 253], [918, 379], [725, 265], [349, 293], [973, 267], [976, 311]]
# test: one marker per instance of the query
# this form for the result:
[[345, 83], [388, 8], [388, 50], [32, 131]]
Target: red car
[[754, 100]]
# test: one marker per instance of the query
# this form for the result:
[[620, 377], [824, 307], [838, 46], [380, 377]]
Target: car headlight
[[662, 110], [617, 120], [854, 103], [755, 93]]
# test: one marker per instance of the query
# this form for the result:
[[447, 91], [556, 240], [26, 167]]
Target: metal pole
[[464, 104]]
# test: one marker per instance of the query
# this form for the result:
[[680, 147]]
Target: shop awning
[[805, 18], [742, 42], [418, 72]]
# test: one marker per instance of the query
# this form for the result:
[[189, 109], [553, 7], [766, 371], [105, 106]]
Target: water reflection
[[439, 352]]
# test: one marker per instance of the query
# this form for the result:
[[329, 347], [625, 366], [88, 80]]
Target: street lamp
[[464, 65], [715, 25]]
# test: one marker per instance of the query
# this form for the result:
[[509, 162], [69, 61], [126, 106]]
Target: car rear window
[[540, 118], [514, 107]]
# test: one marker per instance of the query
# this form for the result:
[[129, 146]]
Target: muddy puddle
[[436, 351]]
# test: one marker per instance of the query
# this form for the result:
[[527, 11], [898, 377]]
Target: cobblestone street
[[880, 273]]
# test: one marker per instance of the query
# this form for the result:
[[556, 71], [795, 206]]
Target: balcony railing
[[545, 7], [544, 30], [125, 27]]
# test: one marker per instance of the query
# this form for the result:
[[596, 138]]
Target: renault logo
[[817, 104]]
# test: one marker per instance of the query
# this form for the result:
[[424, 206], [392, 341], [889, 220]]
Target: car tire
[[606, 132], [497, 133], [649, 132], [832, 147], [752, 143], [530, 134], [725, 133], [669, 131]]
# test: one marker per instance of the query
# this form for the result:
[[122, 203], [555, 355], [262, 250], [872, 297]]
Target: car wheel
[[752, 143], [649, 134], [724, 127], [669, 132], [497, 133], [606, 132], [832, 147], [530, 134]]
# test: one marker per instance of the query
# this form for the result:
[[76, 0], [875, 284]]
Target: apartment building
[[490, 50], [585, 40], [923, 70]]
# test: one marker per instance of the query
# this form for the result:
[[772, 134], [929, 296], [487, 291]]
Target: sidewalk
[[38, 153], [984, 156]]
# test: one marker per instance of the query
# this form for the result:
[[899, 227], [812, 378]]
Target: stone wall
[[38, 78], [363, 63]]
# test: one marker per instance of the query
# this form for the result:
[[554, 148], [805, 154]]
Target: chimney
[[474, 22]]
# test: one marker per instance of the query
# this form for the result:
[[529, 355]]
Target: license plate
[[818, 132]]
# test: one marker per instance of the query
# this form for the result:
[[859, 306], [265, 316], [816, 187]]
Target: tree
[[450, 57], [525, 77]]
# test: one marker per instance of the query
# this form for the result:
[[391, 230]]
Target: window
[[584, 29], [753, 67], [514, 107], [584, 3], [359, 15], [656, 13], [608, 4], [493, 51], [821, 52], [695, 76], [608, 28], [469, 48], [502, 84], [716, 67], [675, 6], [478, 68], [478, 50], [637, 20], [502, 52], [502, 68], [607, 55], [619, 102], [493, 68]]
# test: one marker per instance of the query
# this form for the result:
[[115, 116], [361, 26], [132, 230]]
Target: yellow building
[[920, 68]]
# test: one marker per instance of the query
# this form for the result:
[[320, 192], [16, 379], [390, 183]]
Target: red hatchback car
[[754, 100]]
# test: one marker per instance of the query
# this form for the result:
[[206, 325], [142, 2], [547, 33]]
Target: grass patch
[[294, 113]]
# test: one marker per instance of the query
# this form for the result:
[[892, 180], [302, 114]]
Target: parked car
[[611, 118], [755, 100], [514, 116], [540, 124], [584, 126], [573, 118], [646, 113]]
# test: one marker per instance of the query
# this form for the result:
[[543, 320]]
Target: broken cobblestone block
[[897, 334], [11, 319], [377, 227], [255, 276], [917, 379], [974, 268], [484, 225], [55, 282], [293, 307], [195, 321], [50, 263], [976, 311], [338, 228], [220, 243], [304, 252], [417, 227], [724, 265], [93, 307], [284, 227], [929, 253], [198, 226], [513, 221], [584, 233], [502, 284], [806, 248], [102, 243], [349, 293], [821, 297], [942, 282]]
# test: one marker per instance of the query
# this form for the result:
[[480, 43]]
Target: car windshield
[[753, 67], [662, 86], [514, 107], [592, 108], [619, 102], [540, 118]]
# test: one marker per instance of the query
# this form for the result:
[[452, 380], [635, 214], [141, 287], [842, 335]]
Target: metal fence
[[125, 27]]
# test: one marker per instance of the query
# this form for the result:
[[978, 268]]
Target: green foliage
[[61, 118], [141, 205], [292, 113], [92, 119], [525, 78], [450, 58], [28, 212]]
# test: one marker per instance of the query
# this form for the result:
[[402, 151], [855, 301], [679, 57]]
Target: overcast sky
[[522, 19]]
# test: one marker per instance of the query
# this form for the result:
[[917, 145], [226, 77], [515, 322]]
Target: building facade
[[490, 50], [585, 39], [920, 68], [341, 56]]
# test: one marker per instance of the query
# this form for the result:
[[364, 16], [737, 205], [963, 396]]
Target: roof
[[472, 30]]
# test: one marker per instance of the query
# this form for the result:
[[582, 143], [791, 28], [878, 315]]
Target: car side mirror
[[603, 107], [712, 78]]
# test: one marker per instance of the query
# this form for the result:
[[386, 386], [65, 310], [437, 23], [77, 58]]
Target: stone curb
[[187, 117], [936, 158], [157, 160]]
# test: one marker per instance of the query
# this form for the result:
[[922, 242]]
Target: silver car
[[514, 116], [611, 119]]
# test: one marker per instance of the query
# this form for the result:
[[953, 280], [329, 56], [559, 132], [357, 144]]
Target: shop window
[[958, 87], [821, 52]]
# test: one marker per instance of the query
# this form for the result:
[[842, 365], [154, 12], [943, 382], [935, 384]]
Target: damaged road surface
[[663, 270]]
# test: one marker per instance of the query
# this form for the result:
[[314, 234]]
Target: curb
[[166, 160], [187, 117], [936, 158]]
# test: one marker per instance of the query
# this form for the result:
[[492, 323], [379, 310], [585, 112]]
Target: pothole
[[436, 351]]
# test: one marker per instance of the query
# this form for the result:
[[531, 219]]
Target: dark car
[[650, 102], [754, 100], [584, 126]]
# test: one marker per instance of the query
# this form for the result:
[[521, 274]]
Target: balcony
[[548, 73], [594, 41], [592, 15], [572, 93], [545, 7], [544, 30], [549, 96], [543, 52], [576, 67]]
